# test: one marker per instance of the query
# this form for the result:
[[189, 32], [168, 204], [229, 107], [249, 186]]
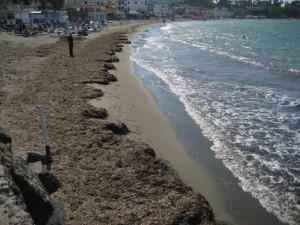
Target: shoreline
[[229, 201], [144, 117]]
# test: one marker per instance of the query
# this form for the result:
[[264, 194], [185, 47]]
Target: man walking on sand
[[71, 44]]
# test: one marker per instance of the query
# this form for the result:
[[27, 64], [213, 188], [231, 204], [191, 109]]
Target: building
[[162, 10], [222, 13], [137, 5], [93, 12], [193, 11], [48, 17]]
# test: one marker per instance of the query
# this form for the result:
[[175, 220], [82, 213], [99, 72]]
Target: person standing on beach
[[71, 45]]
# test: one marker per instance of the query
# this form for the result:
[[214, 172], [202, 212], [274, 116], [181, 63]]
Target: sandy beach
[[144, 117], [108, 178]]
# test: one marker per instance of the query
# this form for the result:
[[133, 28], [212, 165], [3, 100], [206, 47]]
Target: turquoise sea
[[239, 82]]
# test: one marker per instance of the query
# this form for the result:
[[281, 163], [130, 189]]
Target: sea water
[[239, 80]]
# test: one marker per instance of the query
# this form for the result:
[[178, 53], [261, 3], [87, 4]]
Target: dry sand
[[107, 180]]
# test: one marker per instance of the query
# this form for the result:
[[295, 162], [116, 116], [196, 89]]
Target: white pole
[[48, 159], [43, 124]]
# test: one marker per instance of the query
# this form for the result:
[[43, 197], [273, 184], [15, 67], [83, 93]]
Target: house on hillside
[[94, 12], [193, 11], [137, 5], [222, 13], [162, 10]]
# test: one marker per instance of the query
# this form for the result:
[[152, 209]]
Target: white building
[[137, 5], [24, 16], [222, 12], [162, 10]]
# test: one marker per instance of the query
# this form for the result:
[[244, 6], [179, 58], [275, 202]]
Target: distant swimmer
[[245, 36]]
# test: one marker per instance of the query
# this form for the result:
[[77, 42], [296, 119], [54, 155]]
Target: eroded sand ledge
[[108, 178]]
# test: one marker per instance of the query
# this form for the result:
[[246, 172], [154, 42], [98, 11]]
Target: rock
[[13, 211], [117, 128], [4, 138], [15, 221], [2, 198], [35, 196], [4, 189], [1, 172], [23, 191], [92, 112], [59, 215]]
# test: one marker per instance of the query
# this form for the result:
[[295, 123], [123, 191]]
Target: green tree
[[277, 3], [257, 11], [225, 3], [3, 4], [43, 4], [292, 12], [57, 4], [72, 14], [26, 2], [203, 3], [275, 12], [295, 4]]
